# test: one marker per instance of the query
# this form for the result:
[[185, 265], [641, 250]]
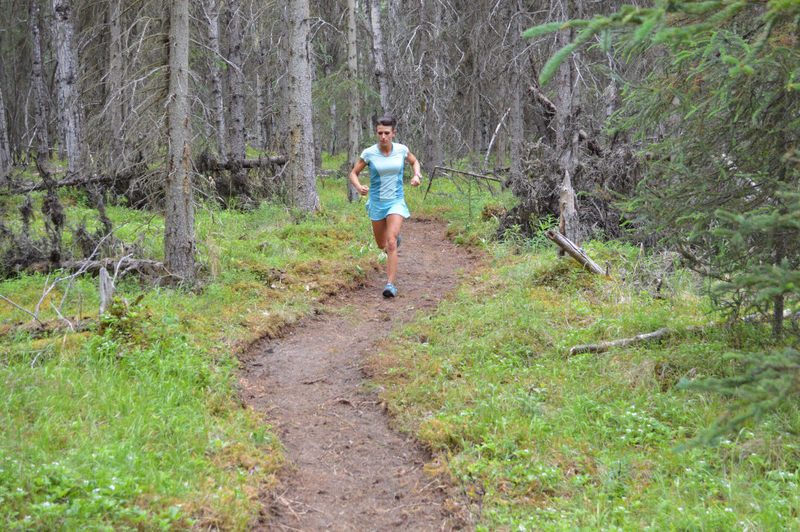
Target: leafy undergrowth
[[540, 440], [135, 423]]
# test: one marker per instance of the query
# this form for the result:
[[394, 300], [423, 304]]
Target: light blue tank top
[[385, 171]]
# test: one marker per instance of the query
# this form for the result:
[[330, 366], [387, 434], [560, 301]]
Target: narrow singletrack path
[[346, 468]]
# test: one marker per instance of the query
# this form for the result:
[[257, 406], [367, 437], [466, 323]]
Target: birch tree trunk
[[377, 50], [179, 245], [42, 141], [237, 151], [353, 118], [67, 85], [302, 181]]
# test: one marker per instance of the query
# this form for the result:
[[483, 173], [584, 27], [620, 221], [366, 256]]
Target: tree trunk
[[114, 84], [516, 119], [179, 245], [432, 136], [377, 48], [66, 83], [70, 115], [5, 149], [353, 115], [302, 181], [42, 142], [260, 96], [237, 150], [211, 13], [566, 136]]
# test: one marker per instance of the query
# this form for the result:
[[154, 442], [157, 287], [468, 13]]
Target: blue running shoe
[[389, 291], [399, 239]]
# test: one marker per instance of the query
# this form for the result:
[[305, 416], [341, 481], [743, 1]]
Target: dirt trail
[[346, 468]]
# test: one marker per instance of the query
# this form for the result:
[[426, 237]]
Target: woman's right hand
[[363, 190]]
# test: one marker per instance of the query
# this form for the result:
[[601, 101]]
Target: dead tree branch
[[471, 174], [126, 264], [664, 332], [623, 342], [70, 181], [574, 251], [26, 311]]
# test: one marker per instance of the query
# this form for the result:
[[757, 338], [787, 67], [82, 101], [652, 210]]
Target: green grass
[[539, 440], [120, 436], [135, 423]]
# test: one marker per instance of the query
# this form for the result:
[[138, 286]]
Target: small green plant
[[122, 321]]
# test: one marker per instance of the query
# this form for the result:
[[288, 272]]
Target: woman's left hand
[[415, 181]]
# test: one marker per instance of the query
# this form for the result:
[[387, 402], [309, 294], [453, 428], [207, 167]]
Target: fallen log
[[70, 181], [207, 163], [574, 251], [623, 342], [602, 347]]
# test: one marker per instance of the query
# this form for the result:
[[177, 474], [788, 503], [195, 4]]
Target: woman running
[[386, 205]]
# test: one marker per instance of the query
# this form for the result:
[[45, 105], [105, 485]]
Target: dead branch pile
[[603, 175]]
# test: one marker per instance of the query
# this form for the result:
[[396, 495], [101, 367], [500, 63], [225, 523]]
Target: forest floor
[[346, 468]]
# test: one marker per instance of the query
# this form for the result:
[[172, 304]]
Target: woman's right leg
[[379, 231], [386, 232]]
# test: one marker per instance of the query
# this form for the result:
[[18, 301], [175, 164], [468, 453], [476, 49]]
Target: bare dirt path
[[346, 468]]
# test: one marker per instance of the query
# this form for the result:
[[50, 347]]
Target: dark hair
[[386, 120]]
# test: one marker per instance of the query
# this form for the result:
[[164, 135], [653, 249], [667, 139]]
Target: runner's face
[[385, 135]]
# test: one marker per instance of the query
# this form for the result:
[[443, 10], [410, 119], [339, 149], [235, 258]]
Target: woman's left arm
[[415, 181]]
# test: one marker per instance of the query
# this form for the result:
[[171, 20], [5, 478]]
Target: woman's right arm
[[360, 165]]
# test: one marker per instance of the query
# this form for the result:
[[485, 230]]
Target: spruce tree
[[719, 119]]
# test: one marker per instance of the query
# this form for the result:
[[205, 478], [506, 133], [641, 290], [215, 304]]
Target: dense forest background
[[89, 84], [685, 111]]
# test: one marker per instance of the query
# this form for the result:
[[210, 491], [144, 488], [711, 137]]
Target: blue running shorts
[[378, 210]]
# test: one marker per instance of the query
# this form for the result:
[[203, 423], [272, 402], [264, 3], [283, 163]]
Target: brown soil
[[346, 468]]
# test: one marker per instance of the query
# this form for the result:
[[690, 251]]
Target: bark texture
[[353, 115], [574, 251], [114, 84], [211, 14], [237, 148], [5, 148], [179, 244], [566, 134], [432, 81], [67, 85], [381, 76], [42, 138], [302, 181]]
